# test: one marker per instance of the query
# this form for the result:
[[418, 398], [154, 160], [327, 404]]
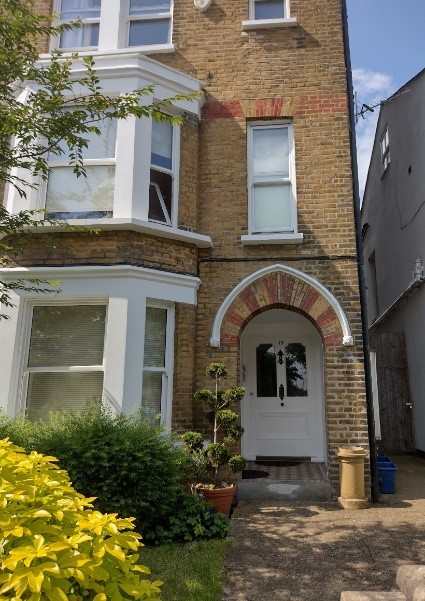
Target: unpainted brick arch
[[278, 289]]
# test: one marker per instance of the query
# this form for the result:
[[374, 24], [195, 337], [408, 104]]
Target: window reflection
[[296, 369], [266, 370]]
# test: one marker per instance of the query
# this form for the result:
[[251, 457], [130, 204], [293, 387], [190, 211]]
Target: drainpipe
[[359, 245]]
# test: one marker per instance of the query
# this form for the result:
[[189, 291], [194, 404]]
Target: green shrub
[[54, 546], [191, 519], [131, 467], [128, 465]]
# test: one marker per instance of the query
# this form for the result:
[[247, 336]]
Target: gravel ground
[[301, 552]]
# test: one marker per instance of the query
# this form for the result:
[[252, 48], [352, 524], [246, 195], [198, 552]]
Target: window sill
[[256, 239], [269, 23], [135, 225], [95, 51]]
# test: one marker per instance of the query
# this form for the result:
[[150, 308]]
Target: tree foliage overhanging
[[35, 120]]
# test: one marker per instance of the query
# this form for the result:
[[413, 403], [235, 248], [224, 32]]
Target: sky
[[387, 47]]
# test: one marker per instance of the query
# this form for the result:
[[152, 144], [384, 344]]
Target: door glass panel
[[296, 369], [266, 370]]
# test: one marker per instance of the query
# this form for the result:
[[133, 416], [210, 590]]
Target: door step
[[278, 490], [304, 482]]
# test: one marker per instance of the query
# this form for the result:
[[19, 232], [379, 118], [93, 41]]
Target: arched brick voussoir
[[282, 289]]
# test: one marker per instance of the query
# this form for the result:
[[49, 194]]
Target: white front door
[[283, 412]]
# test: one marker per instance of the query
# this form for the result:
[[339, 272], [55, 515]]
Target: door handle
[[281, 392], [410, 405]]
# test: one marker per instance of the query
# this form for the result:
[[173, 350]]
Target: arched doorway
[[282, 371]]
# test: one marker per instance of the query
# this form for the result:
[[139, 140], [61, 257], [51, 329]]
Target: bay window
[[161, 173], [100, 192], [271, 178], [149, 22], [86, 36], [114, 24], [64, 369], [90, 196], [157, 363]]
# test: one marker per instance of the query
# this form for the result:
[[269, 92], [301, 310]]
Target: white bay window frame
[[272, 234], [80, 32], [57, 369], [127, 291], [114, 29], [167, 370], [133, 149], [166, 16], [132, 164], [90, 164]]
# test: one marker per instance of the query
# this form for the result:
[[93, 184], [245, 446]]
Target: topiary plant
[[54, 546], [220, 461]]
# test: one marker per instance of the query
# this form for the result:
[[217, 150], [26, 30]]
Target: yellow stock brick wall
[[293, 73]]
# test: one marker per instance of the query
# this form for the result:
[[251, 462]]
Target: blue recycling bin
[[381, 457], [387, 471]]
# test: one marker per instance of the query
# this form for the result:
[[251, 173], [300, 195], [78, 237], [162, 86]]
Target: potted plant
[[213, 461]]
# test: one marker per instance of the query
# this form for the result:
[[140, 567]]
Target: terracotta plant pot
[[220, 498]]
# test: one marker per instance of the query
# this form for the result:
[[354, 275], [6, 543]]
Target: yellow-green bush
[[54, 546]]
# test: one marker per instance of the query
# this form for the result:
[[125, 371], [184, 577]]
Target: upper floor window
[[266, 14], [86, 36], [271, 189], [269, 9], [90, 196], [161, 173], [124, 177], [149, 22], [112, 24], [385, 150]]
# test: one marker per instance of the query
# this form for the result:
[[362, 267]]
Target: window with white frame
[[149, 22], [93, 195], [88, 12], [65, 364], [89, 196], [271, 168], [385, 150], [269, 9], [157, 363], [113, 24], [161, 173]]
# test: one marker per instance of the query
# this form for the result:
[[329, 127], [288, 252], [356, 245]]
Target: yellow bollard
[[351, 477]]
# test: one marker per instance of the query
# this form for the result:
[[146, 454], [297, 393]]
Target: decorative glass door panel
[[266, 370], [296, 369]]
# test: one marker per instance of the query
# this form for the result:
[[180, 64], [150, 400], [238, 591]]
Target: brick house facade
[[259, 253]]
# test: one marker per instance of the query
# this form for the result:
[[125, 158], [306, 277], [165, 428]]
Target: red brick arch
[[286, 290]]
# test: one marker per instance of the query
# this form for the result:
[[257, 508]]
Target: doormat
[[277, 463], [252, 474]]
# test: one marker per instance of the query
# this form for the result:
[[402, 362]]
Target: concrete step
[[280, 490]]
